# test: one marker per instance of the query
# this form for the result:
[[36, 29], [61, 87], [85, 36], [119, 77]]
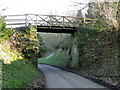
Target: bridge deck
[[47, 23], [56, 29]]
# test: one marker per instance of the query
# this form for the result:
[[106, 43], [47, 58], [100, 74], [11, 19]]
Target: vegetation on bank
[[0, 74], [99, 42], [19, 51], [17, 71], [99, 53]]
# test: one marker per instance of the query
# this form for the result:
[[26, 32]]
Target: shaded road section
[[58, 78]]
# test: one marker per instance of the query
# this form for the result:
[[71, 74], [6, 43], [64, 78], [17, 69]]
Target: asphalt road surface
[[58, 78]]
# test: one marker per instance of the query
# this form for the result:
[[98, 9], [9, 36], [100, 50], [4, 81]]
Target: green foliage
[[31, 33], [18, 74], [2, 24], [43, 50], [4, 32], [55, 40], [0, 74], [85, 36], [57, 59], [99, 24], [65, 45], [19, 44], [113, 5]]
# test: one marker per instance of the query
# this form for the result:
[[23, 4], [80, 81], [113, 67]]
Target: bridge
[[47, 23], [52, 24]]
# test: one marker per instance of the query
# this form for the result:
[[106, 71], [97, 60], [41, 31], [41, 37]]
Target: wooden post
[[36, 21], [63, 22], [50, 17], [84, 21], [26, 21]]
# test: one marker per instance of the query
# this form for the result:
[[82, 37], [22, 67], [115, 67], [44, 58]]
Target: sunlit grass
[[57, 59], [8, 55]]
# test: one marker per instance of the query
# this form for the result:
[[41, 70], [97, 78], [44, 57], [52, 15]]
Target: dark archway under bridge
[[56, 29]]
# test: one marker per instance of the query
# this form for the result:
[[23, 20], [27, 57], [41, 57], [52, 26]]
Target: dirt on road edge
[[38, 83]]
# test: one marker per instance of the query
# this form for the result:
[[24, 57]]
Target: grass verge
[[0, 74], [18, 74]]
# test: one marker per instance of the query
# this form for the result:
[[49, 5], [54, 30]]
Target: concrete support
[[74, 53]]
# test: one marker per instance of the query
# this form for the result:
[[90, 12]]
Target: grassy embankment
[[17, 72], [58, 59], [18, 69]]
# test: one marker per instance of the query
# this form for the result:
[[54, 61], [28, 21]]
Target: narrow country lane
[[58, 78]]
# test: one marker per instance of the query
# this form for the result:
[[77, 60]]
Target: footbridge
[[52, 24], [47, 23]]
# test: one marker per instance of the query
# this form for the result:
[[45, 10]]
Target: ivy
[[4, 32]]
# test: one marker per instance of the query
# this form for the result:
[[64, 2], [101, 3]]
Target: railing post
[[36, 21], [26, 20], [77, 22], [63, 22], [50, 20], [84, 22], [5, 19]]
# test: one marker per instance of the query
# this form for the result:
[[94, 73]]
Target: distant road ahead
[[58, 78]]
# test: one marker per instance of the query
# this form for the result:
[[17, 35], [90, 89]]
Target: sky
[[56, 7]]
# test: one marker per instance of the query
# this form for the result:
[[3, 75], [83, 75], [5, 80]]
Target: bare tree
[[79, 12], [93, 11], [111, 11]]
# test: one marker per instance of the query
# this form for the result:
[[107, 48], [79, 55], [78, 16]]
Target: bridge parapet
[[44, 20]]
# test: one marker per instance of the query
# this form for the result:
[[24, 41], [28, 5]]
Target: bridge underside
[[56, 29]]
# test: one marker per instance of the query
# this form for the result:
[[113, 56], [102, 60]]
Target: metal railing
[[45, 20]]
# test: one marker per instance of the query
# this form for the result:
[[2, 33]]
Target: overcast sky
[[58, 7]]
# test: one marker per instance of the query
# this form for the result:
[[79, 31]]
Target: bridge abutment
[[74, 52]]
